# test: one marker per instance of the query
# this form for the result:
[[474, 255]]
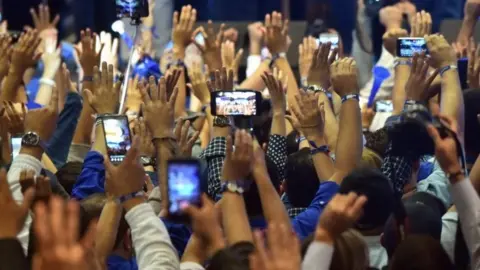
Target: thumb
[[28, 197], [89, 95]]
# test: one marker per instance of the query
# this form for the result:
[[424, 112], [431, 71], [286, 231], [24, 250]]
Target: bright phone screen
[[16, 144], [236, 103], [117, 137], [183, 185], [128, 8], [409, 46]]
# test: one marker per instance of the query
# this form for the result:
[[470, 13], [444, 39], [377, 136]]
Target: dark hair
[[377, 141], [472, 129], [253, 203], [301, 178], [292, 143], [67, 175], [377, 188], [420, 252], [234, 257]]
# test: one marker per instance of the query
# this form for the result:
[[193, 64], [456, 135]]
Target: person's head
[[377, 141], [471, 99], [234, 257], [67, 175], [252, 198], [381, 199], [350, 251], [420, 252], [301, 181], [370, 159], [292, 142]]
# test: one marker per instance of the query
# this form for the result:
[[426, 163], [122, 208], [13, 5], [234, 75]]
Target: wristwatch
[[238, 187], [147, 161], [221, 121], [33, 139]]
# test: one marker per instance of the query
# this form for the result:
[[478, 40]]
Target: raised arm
[[51, 60], [471, 14]]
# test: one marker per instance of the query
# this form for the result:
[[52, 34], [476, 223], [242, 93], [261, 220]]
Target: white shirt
[[449, 232], [318, 256], [377, 253]]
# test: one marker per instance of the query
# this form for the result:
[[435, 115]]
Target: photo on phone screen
[[16, 143], [384, 106], [328, 37], [117, 137], [407, 47], [200, 39], [183, 184], [240, 103], [131, 8]]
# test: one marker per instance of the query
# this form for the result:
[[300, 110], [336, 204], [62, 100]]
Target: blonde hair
[[351, 252], [370, 159]]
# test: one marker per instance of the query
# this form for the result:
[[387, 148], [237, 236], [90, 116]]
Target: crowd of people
[[318, 179]]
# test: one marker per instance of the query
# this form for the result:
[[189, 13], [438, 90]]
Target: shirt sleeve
[[153, 247], [20, 163], [277, 152], [468, 207], [304, 224], [190, 266], [318, 256], [253, 62], [92, 177], [437, 185], [214, 154]]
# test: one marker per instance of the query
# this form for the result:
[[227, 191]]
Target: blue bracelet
[[445, 69], [127, 197], [301, 139], [321, 149], [350, 96], [88, 78]]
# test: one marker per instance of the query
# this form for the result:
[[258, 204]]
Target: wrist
[[322, 235], [48, 74], [131, 203], [34, 151], [255, 48], [178, 52]]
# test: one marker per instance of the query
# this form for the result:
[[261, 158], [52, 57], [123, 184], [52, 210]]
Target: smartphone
[[183, 185], [117, 137], [132, 8], [16, 144], [384, 106], [462, 65], [236, 103], [200, 39], [407, 47], [328, 37]]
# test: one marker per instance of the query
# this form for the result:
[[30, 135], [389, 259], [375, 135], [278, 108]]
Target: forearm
[[349, 146], [99, 141], [452, 99], [11, 84], [321, 161], [107, 228], [255, 81], [278, 123], [83, 131], [292, 87], [234, 218], [398, 93], [466, 30], [181, 96], [331, 124], [44, 94], [475, 175], [164, 151]]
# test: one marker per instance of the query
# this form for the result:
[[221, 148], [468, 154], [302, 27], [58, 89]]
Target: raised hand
[[87, 52], [43, 121], [6, 50], [13, 215], [213, 42], [198, 83], [344, 77], [340, 214], [51, 58], [256, 33], [63, 251], [185, 142], [110, 49], [472, 9], [146, 147], [306, 53], [390, 39], [461, 50], [104, 99], [283, 251], [230, 60], [441, 53], [275, 87], [276, 37], [320, 71], [421, 24], [13, 118], [391, 17], [310, 116], [40, 184], [156, 103], [24, 52], [237, 162], [473, 65], [183, 27], [418, 85], [223, 80], [134, 97], [42, 19]]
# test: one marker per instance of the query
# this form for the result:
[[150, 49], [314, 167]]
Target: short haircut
[[67, 175], [301, 178], [253, 203], [377, 141], [235, 257], [292, 142], [471, 99], [420, 252], [377, 188]]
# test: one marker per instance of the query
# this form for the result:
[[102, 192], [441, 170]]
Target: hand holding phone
[[117, 137], [408, 46], [236, 103]]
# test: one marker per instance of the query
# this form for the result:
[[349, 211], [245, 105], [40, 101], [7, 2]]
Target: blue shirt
[[115, 262], [305, 223]]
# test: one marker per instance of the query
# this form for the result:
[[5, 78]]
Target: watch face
[[30, 139]]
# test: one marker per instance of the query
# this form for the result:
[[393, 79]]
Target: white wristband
[[48, 82]]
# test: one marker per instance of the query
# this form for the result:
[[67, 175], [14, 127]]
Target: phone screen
[[407, 47], [183, 184], [325, 38], [236, 103], [462, 65], [384, 106], [16, 143], [131, 8], [200, 39], [117, 137]]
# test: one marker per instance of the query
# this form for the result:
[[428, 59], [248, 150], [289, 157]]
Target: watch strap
[[124, 198], [238, 187]]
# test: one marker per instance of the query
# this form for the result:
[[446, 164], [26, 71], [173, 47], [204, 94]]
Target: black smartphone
[[408, 46], [117, 137], [132, 8], [462, 65], [183, 186], [236, 103], [16, 144]]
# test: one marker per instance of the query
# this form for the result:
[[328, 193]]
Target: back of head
[[420, 252], [67, 175], [370, 159], [471, 99], [234, 257], [377, 141], [350, 251], [301, 178], [377, 188]]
